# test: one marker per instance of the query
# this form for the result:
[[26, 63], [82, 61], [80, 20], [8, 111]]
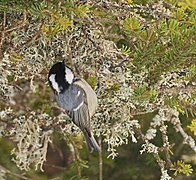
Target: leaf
[[181, 167], [115, 87], [192, 127], [130, 1], [92, 80], [125, 49], [131, 24]]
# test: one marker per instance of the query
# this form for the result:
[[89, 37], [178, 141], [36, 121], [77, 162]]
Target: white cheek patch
[[54, 83], [69, 75]]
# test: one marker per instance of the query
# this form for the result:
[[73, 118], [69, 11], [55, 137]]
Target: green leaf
[[125, 49], [92, 80], [181, 167], [192, 127], [131, 24]]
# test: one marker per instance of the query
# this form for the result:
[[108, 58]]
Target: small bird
[[76, 97]]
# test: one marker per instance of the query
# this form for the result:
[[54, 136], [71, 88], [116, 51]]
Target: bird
[[76, 97]]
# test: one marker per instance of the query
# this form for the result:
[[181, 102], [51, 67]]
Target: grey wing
[[80, 116], [90, 95], [80, 113]]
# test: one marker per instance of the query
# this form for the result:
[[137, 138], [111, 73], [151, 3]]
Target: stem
[[3, 28], [2, 35], [76, 158], [19, 24], [100, 161], [14, 174], [151, 31], [158, 159]]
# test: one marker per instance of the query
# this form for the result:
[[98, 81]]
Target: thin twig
[[3, 30], [112, 67], [34, 37], [159, 161], [20, 25], [100, 161], [16, 86], [14, 174], [166, 146], [99, 86], [70, 60], [55, 166], [151, 31], [76, 157], [177, 90], [187, 139]]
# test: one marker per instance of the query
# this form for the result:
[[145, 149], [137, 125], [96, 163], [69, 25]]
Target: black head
[[57, 77], [58, 68]]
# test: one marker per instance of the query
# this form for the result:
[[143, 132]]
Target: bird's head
[[60, 77]]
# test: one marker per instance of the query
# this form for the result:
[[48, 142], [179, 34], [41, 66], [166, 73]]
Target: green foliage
[[5, 148], [56, 24], [183, 106], [58, 15], [34, 7], [192, 126], [78, 10], [181, 167], [141, 94], [92, 80], [14, 57], [125, 49], [132, 25], [113, 87], [40, 103], [163, 46], [153, 44], [187, 3]]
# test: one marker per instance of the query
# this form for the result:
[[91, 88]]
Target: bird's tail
[[91, 142]]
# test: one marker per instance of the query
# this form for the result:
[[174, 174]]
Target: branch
[[187, 139], [166, 146], [177, 90], [14, 174], [20, 24], [70, 59], [151, 31], [99, 86], [3, 30], [33, 38], [159, 161], [112, 67], [100, 161], [76, 157], [55, 166]]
